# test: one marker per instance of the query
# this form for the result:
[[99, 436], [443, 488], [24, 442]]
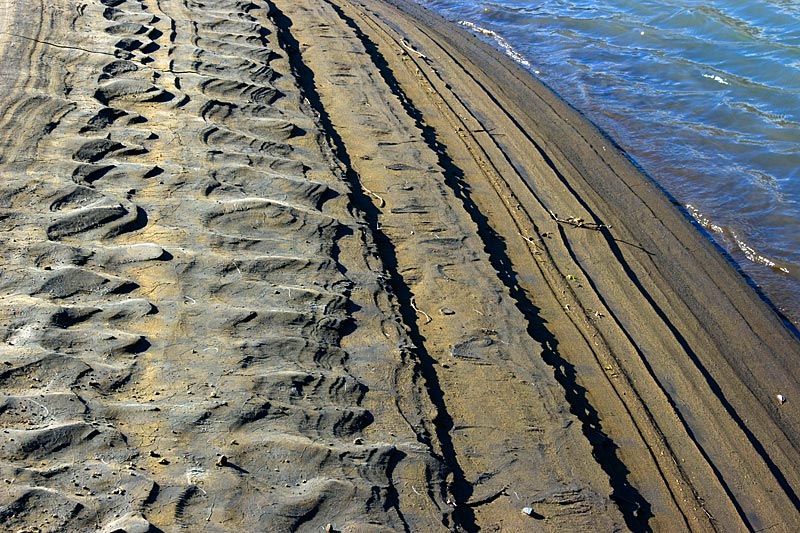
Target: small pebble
[[222, 460], [358, 441], [781, 399], [447, 311]]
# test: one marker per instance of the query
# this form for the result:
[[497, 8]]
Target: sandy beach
[[339, 265]]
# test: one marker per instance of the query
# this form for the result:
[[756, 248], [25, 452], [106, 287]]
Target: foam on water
[[501, 42], [704, 96], [716, 78]]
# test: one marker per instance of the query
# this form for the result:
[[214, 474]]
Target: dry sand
[[338, 265]]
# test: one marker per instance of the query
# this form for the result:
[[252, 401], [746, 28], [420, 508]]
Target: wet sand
[[339, 265]]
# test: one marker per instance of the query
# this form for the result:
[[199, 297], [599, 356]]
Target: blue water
[[703, 95]]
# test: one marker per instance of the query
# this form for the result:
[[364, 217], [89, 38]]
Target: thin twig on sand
[[381, 200], [418, 310], [578, 222], [408, 47]]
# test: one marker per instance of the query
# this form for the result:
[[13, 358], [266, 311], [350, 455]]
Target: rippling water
[[704, 95]]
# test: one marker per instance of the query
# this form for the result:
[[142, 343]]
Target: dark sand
[[338, 265]]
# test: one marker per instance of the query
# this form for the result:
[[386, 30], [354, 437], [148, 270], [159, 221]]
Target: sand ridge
[[338, 265]]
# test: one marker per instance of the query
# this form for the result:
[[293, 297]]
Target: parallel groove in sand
[[522, 225], [785, 467], [587, 328], [431, 228]]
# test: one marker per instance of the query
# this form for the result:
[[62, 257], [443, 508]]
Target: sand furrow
[[455, 307], [665, 364]]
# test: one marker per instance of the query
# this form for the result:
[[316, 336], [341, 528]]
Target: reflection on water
[[704, 95]]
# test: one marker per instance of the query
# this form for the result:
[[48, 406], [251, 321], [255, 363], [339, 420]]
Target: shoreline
[[305, 265], [756, 258]]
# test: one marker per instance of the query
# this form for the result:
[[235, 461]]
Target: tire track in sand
[[676, 367], [173, 321]]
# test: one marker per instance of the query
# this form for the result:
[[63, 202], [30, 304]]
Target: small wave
[[728, 236], [716, 78], [507, 48], [779, 120]]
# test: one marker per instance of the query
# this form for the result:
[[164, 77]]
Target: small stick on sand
[[46, 410], [531, 241], [418, 310], [211, 510], [578, 222], [408, 47], [382, 201]]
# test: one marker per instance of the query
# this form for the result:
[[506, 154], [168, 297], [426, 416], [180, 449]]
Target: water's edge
[[722, 141]]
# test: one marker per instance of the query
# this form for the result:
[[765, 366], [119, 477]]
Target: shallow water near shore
[[704, 96]]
